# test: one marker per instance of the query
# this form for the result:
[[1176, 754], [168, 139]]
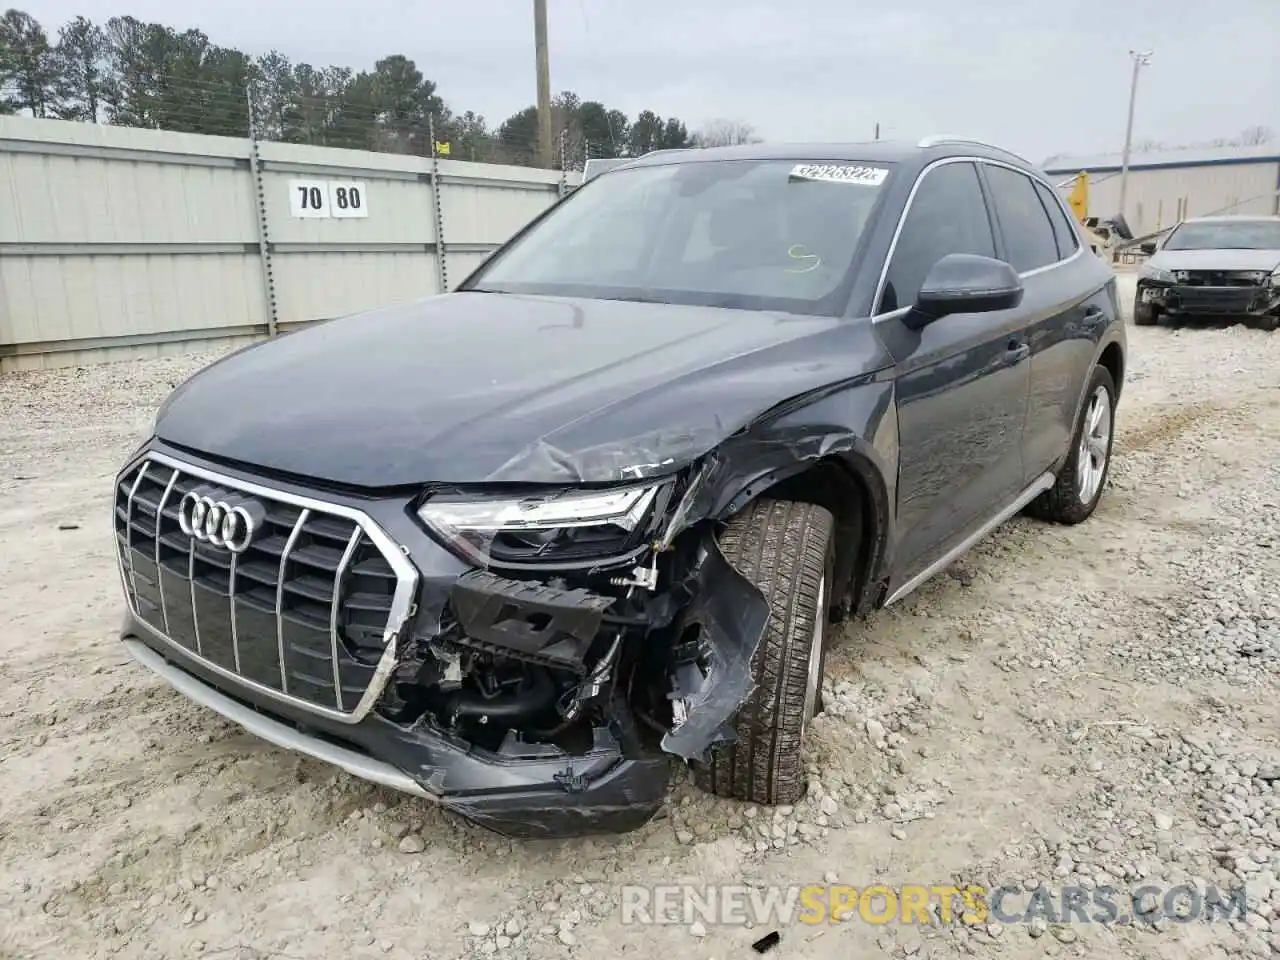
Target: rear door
[[962, 381], [1064, 313]]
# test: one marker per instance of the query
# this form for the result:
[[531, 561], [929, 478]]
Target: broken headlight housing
[[572, 527], [1155, 274]]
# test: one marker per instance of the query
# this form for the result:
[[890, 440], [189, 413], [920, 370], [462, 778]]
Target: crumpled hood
[[1216, 260], [474, 387]]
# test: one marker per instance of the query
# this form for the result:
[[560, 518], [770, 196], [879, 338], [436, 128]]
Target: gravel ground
[[1068, 707]]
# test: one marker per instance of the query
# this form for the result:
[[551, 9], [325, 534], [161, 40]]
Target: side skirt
[[1041, 484]]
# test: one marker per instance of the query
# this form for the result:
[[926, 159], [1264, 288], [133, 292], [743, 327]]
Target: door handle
[[1016, 352]]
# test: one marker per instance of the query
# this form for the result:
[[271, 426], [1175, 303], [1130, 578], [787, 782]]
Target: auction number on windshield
[[840, 173], [322, 199]]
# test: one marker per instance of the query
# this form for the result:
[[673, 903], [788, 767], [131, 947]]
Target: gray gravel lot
[[1068, 707]]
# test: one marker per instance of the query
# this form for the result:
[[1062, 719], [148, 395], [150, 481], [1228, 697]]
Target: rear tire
[[1075, 495], [786, 549], [1269, 324]]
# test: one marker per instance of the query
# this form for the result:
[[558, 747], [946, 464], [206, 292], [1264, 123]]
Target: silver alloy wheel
[[813, 683], [1095, 445]]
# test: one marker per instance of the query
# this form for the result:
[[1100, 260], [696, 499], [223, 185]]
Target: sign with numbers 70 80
[[321, 199]]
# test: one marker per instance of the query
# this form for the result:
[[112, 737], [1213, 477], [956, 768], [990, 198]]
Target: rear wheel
[[786, 549], [1075, 495]]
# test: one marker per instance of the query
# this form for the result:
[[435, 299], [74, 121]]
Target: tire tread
[[784, 548]]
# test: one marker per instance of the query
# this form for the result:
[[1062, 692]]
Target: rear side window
[[947, 215], [1068, 242], [1028, 234]]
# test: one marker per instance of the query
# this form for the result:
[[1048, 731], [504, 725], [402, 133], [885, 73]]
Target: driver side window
[[947, 215]]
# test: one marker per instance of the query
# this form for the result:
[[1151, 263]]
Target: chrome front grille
[[309, 613]]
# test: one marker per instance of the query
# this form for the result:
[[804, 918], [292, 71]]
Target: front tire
[[1075, 495], [1144, 314], [786, 549]]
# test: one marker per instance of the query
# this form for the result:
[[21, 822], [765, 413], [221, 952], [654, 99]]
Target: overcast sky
[[1038, 77]]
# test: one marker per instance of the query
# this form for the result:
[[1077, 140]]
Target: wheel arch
[[1112, 358], [850, 486]]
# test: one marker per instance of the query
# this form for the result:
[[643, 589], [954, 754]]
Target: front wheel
[[1075, 495], [787, 549], [1144, 314]]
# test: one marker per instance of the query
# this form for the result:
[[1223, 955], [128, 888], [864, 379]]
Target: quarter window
[[947, 215], [1028, 235], [1068, 240]]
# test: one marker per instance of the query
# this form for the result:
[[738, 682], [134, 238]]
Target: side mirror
[[965, 283], [1148, 247]]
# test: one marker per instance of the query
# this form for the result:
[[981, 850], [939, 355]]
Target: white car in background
[[1225, 266]]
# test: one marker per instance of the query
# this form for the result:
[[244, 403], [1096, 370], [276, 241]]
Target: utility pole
[[1140, 60], [544, 82]]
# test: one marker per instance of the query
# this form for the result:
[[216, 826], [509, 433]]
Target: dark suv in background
[[516, 548]]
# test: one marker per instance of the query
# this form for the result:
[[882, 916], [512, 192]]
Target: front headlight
[[1275, 277], [1156, 274], [563, 526]]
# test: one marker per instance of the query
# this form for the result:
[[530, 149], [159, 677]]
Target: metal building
[[1167, 187]]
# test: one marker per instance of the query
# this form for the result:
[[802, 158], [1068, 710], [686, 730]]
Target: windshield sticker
[[840, 173]]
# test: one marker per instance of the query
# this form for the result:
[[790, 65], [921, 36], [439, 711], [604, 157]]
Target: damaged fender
[[852, 424], [731, 613]]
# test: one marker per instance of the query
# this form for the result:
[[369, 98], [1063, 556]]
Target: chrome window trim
[[1073, 224], [906, 208], [402, 602]]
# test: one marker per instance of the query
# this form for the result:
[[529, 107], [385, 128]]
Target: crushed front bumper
[[281, 660], [523, 791], [1212, 301]]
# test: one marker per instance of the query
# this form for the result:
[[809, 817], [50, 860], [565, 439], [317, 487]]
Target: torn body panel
[[712, 678]]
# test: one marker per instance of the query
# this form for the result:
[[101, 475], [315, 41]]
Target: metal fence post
[[564, 163], [260, 215], [442, 269]]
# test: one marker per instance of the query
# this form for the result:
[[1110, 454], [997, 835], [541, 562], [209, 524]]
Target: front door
[[963, 381]]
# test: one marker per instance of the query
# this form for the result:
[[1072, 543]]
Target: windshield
[[755, 234], [1245, 235]]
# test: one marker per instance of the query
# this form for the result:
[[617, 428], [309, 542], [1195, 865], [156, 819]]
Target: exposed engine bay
[[552, 660]]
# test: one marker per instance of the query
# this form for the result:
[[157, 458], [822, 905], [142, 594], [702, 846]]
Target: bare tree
[[1255, 136], [725, 133]]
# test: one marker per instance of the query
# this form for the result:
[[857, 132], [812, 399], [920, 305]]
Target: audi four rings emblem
[[220, 519]]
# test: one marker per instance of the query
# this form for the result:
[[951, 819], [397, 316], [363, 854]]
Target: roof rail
[[938, 139]]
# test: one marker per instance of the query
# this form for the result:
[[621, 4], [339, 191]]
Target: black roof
[[870, 151]]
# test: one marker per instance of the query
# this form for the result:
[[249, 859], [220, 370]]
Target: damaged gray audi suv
[[519, 548]]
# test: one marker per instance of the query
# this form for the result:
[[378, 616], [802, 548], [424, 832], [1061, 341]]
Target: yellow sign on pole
[[442, 148], [1078, 199]]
